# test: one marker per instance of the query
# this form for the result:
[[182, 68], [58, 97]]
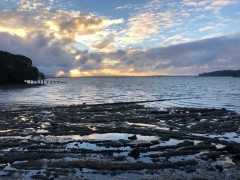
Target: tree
[[17, 68]]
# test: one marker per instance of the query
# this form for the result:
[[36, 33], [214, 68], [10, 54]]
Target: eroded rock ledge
[[119, 141]]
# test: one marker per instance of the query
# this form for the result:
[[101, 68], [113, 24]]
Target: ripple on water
[[186, 91]]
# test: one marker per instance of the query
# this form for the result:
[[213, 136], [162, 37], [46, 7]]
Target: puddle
[[196, 142], [45, 125], [171, 142], [203, 120], [164, 126], [92, 128], [27, 131], [142, 158], [229, 136], [46, 112], [41, 131], [16, 137], [24, 117], [9, 130], [30, 173], [146, 138], [181, 158], [3, 173], [161, 123], [9, 168], [218, 146], [85, 173], [102, 137], [142, 125], [15, 149], [191, 124], [90, 146]]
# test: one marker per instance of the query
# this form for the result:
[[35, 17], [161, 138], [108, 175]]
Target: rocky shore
[[119, 141]]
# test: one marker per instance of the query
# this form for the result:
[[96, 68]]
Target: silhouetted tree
[[16, 69]]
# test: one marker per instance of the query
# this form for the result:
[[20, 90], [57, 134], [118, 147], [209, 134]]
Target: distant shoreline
[[223, 73]]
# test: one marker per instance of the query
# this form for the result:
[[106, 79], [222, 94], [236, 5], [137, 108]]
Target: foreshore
[[119, 141]]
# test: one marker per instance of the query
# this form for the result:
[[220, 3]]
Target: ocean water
[[211, 92]]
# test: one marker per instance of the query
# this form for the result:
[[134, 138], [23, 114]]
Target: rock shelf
[[119, 141]]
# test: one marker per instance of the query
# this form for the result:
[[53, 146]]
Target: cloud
[[127, 6], [50, 36], [187, 58], [106, 44], [190, 3], [164, 19], [211, 27], [67, 26], [147, 21], [206, 28], [204, 55], [141, 27], [224, 3], [71, 43]]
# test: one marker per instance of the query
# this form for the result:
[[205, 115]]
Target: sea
[[164, 92]]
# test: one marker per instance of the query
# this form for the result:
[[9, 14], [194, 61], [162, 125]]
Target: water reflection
[[69, 138]]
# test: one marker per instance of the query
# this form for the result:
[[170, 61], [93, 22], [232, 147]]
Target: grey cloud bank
[[183, 59]]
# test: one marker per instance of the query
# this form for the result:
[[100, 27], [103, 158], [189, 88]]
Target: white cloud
[[190, 3], [206, 28], [224, 2], [127, 6], [65, 25]]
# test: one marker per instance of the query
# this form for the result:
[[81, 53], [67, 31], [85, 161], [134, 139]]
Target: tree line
[[14, 69], [231, 73]]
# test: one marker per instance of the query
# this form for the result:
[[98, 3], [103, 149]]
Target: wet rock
[[120, 158], [145, 144], [113, 154], [134, 137], [219, 167], [165, 138], [155, 142], [186, 143], [135, 153], [233, 148], [237, 156]]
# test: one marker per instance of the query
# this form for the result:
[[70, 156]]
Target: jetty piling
[[43, 82]]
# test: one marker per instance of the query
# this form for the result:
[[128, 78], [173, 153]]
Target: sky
[[123, 37]]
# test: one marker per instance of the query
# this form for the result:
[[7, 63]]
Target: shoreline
[[121, 140]]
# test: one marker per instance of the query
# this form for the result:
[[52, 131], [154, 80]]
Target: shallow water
[[217, 92], [67, 138]]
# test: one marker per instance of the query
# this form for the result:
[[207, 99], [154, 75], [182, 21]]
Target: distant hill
[[14, 69], [230, 73]]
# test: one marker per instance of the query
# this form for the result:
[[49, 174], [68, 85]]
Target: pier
[[44, 82]]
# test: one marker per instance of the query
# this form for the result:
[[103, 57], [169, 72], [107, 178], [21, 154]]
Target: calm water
[[217, 92]]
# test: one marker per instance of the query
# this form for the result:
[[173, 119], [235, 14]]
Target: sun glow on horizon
[[110, 72]]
